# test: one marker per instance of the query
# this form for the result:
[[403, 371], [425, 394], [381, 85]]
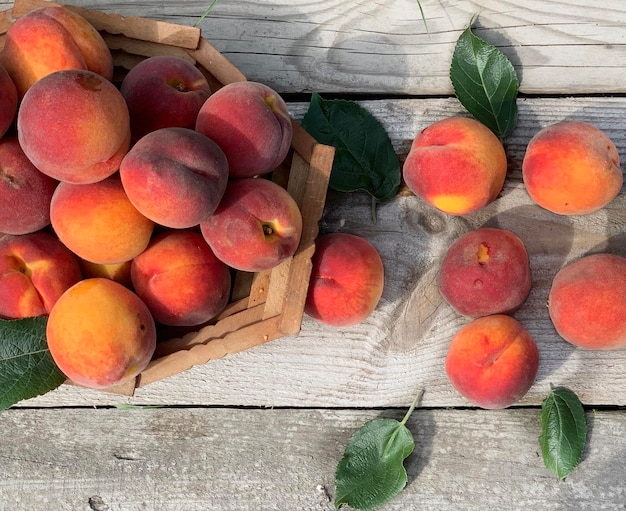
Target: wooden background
[[264, 429]]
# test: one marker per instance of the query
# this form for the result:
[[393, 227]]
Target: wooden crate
[[263, 306]]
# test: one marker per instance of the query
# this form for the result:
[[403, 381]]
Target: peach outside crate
[[263, 306]]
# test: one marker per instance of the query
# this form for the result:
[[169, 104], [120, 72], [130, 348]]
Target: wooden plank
[[237, 460], [402, 346], [557, 46]]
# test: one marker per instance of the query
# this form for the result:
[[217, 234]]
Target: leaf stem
[[412, 407]]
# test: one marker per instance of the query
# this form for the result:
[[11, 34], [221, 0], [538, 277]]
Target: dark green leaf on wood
[[485, 83], [563, 431], [372, 471], [364, 156], [26, 366]]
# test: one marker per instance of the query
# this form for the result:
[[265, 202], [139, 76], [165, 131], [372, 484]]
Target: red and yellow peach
[[74, 126], [492, 361], [587, 302], [456, 165], [251, 123], [100, 333], [572, 168], [175, 176], [347, 280], [35, 270]]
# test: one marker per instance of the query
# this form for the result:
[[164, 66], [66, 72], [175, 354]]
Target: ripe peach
[[35, 270], [25, 193], [485, 271], [51, 39], [98, 223], [256, 226], [492, 361], [347, 280], [572, 168], [100, 333], [74, 126], [587, 302], [8, 101], [162, 92], [175, 176], [180, 279], [251, 123], [456, 165]]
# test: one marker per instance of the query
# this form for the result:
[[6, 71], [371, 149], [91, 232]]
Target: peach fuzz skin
[[456, 165], [180, 279], [98, 223], [492, 361], [484, 272], [25, 193], [74, 126], [35, 270], [175, 176], [572, 168], [51, 39], [587, 302], [162, 92], [347, 280], [256, 226], [251, 123], [100, 333]]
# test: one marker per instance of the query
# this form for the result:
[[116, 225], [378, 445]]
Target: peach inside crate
[[263, 306]]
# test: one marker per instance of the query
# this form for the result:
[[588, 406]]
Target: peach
[[163, 91], [98, 223], [118, 272], [180, 279], [256, 226], [25, 193], [175, 176], [8, 101], [484, 272], [587, 302], [74, 126], [100, 333], [456, 165], [492, 361], [572, 168], [251, 123], [347, 280], [35, 270], [52, 39]]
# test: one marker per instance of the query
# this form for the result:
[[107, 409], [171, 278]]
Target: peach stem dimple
[[482, 254]]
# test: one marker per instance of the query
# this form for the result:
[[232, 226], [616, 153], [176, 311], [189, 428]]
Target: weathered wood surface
[[402, 346], [284, 460], [569, 47], [194, 458]]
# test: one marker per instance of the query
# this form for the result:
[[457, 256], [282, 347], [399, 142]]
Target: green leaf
[[485, 83], [563, 431], [371, 471], [26, 366], [364, 156]]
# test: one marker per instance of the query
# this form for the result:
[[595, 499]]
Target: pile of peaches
[[124, 207], [569, 168]]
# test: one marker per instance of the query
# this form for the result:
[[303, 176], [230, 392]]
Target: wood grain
[[557, 47], [237, 460]]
